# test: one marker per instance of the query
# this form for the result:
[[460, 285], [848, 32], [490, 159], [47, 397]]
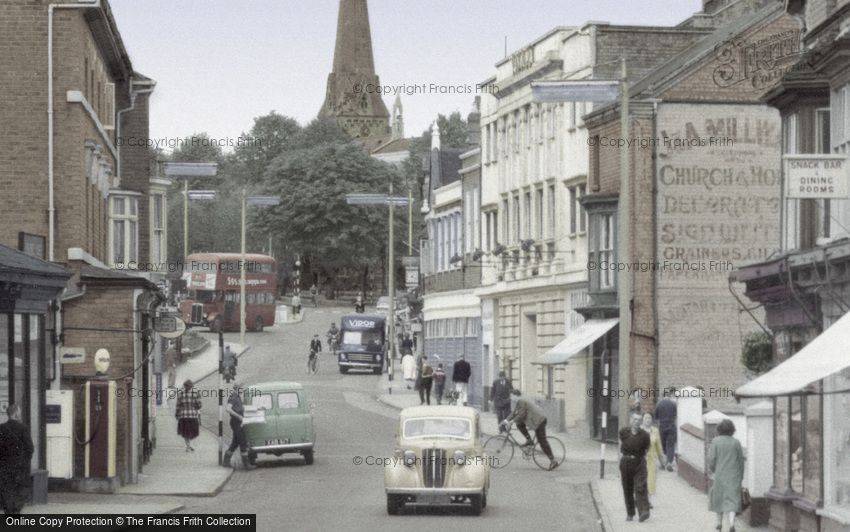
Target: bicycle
[[333, 343], [503, 446], [313, 363]]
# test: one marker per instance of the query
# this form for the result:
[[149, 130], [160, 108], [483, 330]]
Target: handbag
[[746, 500]]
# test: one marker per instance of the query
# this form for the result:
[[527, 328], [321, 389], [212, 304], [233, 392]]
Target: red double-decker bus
[[213, 282]]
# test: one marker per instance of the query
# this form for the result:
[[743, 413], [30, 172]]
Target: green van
[[278, 420]]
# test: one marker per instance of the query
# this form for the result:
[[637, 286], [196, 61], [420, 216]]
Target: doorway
[[530, 376]]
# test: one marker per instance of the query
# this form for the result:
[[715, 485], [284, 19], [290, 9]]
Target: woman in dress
[[726, 462], [654, 456], [188, 413], [408, 368]]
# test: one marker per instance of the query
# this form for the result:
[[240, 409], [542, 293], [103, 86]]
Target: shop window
[[837, 443], [795, 444], [4, 365], [780, 450]]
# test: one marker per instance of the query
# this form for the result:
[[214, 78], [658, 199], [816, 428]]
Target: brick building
[[704, 182], [79, 191]]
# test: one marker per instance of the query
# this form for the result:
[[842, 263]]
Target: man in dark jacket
[[500, 394], [236, 409], [665, 414], [634, 443], [15, 454], [460, 377]]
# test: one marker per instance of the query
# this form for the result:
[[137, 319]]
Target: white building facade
[[534, 268]]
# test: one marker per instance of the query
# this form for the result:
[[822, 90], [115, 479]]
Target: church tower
[[352, 98]]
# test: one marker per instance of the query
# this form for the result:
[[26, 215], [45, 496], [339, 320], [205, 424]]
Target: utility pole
[[391, 289], [409, 223], [624, 284], [242, 315]]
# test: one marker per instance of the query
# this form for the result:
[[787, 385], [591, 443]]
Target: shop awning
[[587, 333], [826, 355]]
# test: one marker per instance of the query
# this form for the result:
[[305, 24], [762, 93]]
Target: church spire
[[398, 119], [352, 96]]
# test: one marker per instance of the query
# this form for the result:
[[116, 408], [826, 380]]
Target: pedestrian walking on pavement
[[425, 382], [460, 377], [406, 345], [296, 305], [726, 462], [15, 454], [634, 443], [500, 394], [666, 414], [171, 364], [408, 369], [188, 413], [439, 383], [237, 410], [655, 455]]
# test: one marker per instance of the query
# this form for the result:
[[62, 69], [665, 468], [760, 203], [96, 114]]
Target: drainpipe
[[51, 208]]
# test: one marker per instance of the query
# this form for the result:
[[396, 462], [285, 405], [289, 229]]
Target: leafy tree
[[320, 131], [270, 136], [314, 217]]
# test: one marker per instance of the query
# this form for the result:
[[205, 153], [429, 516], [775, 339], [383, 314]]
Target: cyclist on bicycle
[[333, 338], [526, 414]]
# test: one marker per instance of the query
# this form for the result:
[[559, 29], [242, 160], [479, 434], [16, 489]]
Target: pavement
[[676, 505]]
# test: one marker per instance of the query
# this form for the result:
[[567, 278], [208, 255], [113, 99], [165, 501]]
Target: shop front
[[29, 288]]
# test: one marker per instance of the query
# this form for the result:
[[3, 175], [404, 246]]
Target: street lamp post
[[605, 91], [185, 171], [258, 201], [390, 200]]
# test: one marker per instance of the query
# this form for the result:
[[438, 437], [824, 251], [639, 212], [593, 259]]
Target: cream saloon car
[[438, 461]]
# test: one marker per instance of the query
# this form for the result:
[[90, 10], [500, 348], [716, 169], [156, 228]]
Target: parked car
[[438, 461], [383, 305], [278, 420]]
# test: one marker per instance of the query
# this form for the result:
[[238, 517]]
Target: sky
[[220, 64]]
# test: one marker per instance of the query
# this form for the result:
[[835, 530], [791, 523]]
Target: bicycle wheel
[[559, 452], [500, 449]]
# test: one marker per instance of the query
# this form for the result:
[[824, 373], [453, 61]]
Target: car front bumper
[[434, 496], [282, 447], [368, 365]]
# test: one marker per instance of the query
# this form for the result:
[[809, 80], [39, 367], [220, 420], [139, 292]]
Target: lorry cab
[[363, 343]]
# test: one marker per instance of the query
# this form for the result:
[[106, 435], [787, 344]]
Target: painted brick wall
[[718, 208]]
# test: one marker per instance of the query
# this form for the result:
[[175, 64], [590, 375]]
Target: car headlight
[[206, 315], [409, 458], [460, 457], [343, 356], [378, 358]]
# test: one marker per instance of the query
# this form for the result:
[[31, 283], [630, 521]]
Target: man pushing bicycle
[[527, 414]]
